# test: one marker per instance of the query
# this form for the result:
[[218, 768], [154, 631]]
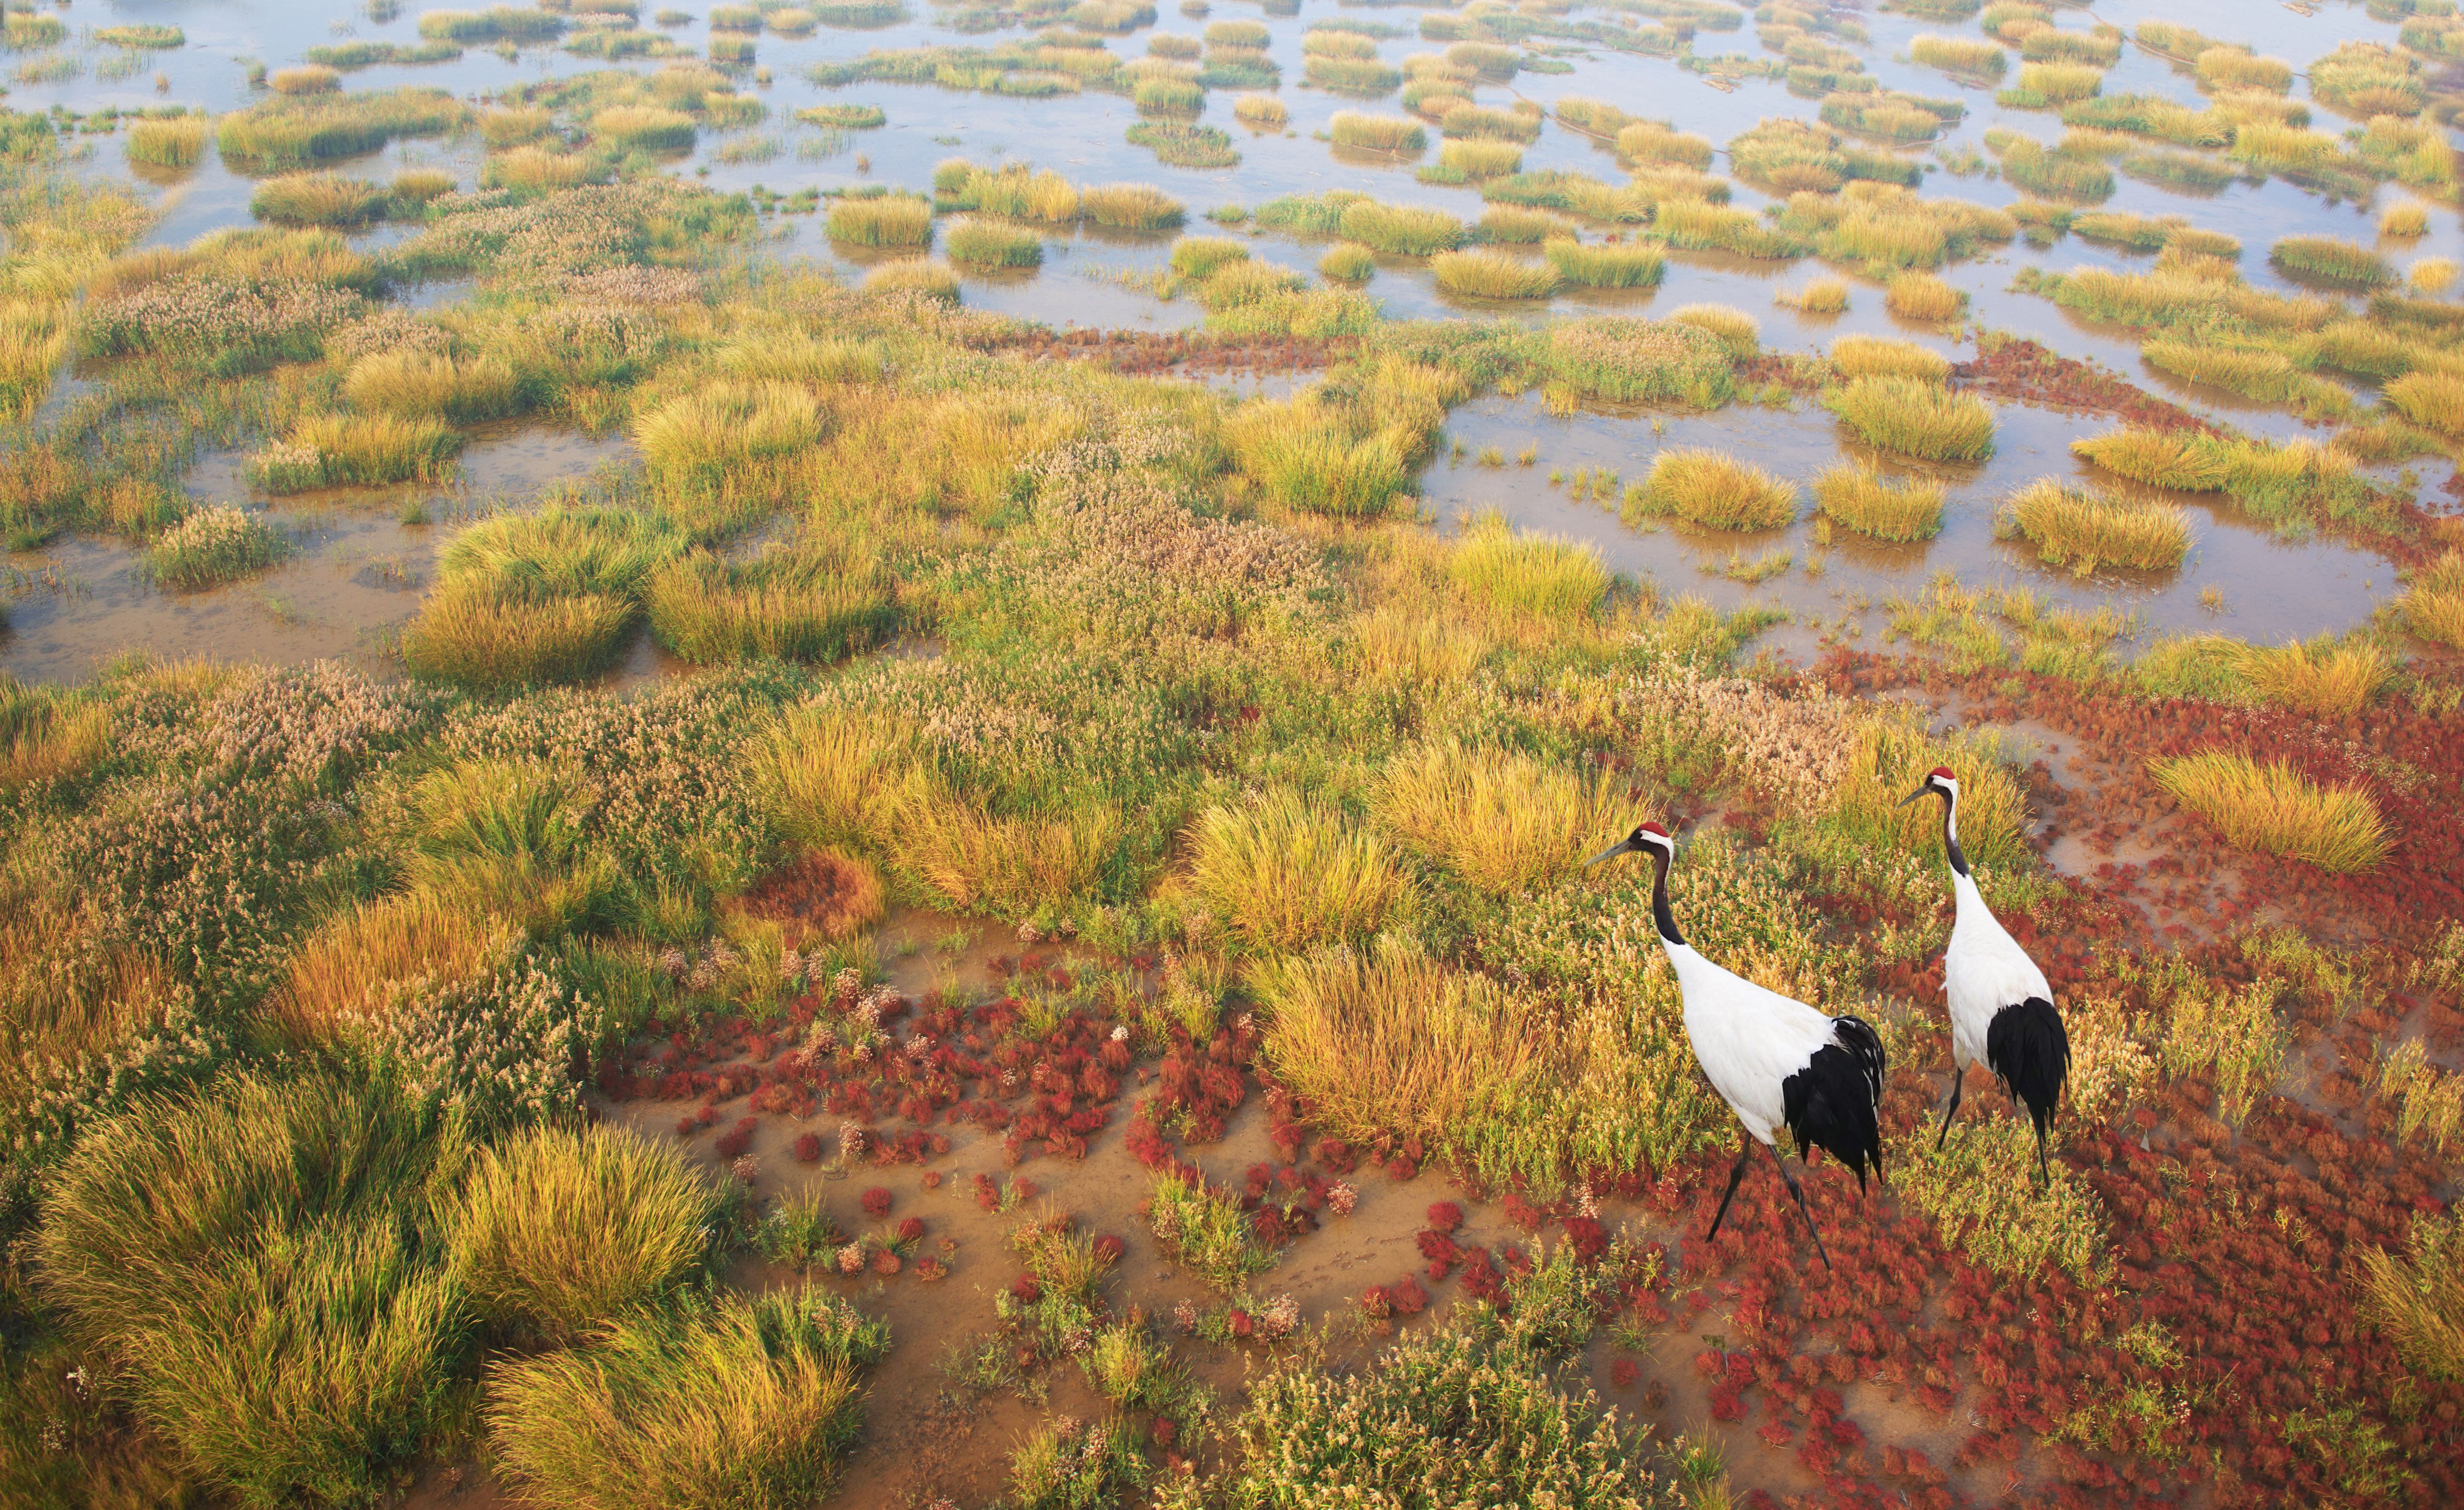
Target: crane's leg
[[1958, 1084], [2043, 1168], [1798, 1191], [1734, 1175]]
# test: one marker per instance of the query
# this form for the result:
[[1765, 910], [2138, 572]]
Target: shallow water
[[318, 604]]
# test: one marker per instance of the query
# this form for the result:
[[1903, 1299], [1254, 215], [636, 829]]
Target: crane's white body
[[1747, 1039], [1983, 970]]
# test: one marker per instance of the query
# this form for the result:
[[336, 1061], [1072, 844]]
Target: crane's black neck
[[1950, 831], [1660, 914]]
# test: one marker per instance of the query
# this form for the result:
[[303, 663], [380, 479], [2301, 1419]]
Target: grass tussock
[[1132, 206], [179, 142], [1741, 333], [460, 391], [2328, 260], [2418, 1297], [2433, 399], [992, 243], [884, 220], [706, 439], [559, 1232], [2272, 809], [1960, 55], [1593, 266], [2326, 680], [1348, 263], [1493, 274], [1377, 133], [916, 275], [1915, 419], [1286, 873], [1499, 821], [1539, 576], [1261, 112], [1717, 491], [1823, 295], [2433, 606], [359, 966], [1878, 356], [1861, 499], [737, 1400], [1922, 296], [319, 199], [1476, 159], [2084, 531], [812, 605]]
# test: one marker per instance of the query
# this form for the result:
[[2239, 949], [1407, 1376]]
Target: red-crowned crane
[[1775, 1061], [2002, 1013]]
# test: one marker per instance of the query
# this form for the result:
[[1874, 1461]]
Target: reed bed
[[1915, 419], [313, 79], [1353, 76], [649, 128], [2084, 531], [335, 126], [1861, 499], [2435, 399], [992, 243], [883, 220], [1715, 490], [536, 170], [1493, 274], [1401, 231], [1484, 122], [2275, 810], [1643, 361], [1177, 96], [2043, 85]]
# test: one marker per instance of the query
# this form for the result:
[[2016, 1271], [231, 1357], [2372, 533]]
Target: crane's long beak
[[1622, 847], [1912, 796]]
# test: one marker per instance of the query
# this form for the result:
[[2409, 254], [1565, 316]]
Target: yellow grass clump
[[1824, 296], [1922, 296], [1348, 263], [535, 170], [2404, 220], [1376, 133], [883, 220], [358, 967], [1714, 489], [1879, 356], [1492, 275], [1474, 158], [2275, 810], [33, 343], [2435, 399], [1130, 207], [318, 199], [916, 276], [699, 437], [2418, 1297], [370, 450], [411, 383], [1502, 822], [478, 640], [1008, 866], [2433, 608], [650, 128], [1538, 575], [175, 142], [1916, 418], [1959, 55], [2432, 274], [2332, 681], [1265, 112], [1738, 331], [1861, 499], [313, 79], [2087, 530], [1638, 265], [1288, 873], [1649, 141]]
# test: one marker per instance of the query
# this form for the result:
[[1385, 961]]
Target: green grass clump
[[1182, 145], [1493, 274], [883, 220], [1176, 97], [649, 128], [1644, 361], [2043, 85], [1715, 490], [737, 1400], [1198, 258], [1860, 499], [557, 1233], [2369, 78], [1732, 327], [178, 142], [992, 243], [800, 605], [1348, 263], [2275, 810], [1636, 266], [1915, 419], [2029, 166], [1130, 207], [1959, 55], [845, 118], [1353, 76], [2331, 260], [1377, 133], [503, 24], [1286, 873], [279, 1323], [212, 545], [1721, 228], [1482, 122], [335, 126], [548, 596], [1398, 230], [1651, 141], [2084, 531], [319, 199], [2435, 399], [409, 382], [1536, 575], [1512, 225], [145, 34]]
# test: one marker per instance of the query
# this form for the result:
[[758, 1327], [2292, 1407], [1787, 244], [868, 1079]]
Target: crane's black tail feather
[[1834, 1102], [2028, 1049]]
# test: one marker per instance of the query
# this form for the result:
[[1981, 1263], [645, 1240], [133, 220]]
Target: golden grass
[[992, 243], [1006, 866], [786, 604], [535, 170], [1649, 141], [2432, 274], [2418, 1298], [1922, 296], [1915, 419], [1377, 133], [2435, 399], [1401, 231], [1824, 296], [2404, 219], [2057, 84], [1492, 275], [1714, 489], [1537, 575], [420, 185], [1502, 822], [176, 143], [1890, 759], [1879, 356], [2168, 458], [1130, 207], [1638, 265], [1476, 159], [1513, 224], [2275, 810], [41, 738], [835, 780], [2329, 682], [313, 79], [699, 437], [2087, 530], [559, 1232], [1288, 873], [33, 343], [884, 220], [914, 274], [414, 383], [318, 199], [476, 639], [2433, 608], [362, 964], [1393, 1042], [1738, 331], [371, 449], [1266, 112], [1959, 55], [1860, 499], [650, 128], [1348, 263], [2231, 68]]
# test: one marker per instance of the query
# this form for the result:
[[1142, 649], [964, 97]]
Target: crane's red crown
[[1946, 773], [1654, 827]]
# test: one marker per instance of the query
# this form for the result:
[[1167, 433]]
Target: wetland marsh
[[772, 755]]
